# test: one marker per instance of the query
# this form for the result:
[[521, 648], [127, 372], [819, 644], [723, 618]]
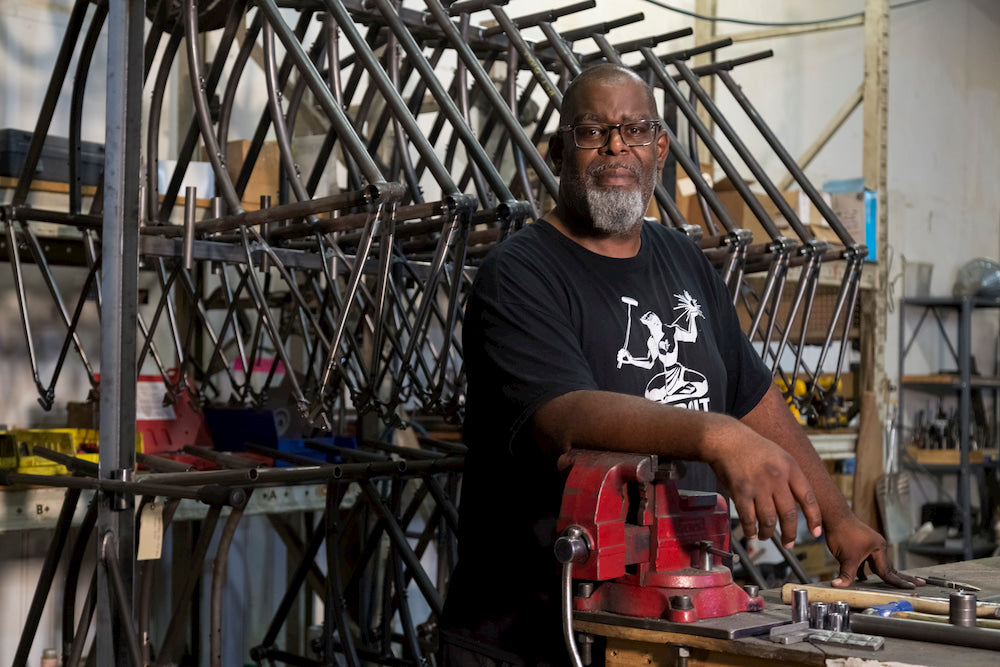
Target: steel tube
[[122, 598], [336, 605], [46, 576], [120, 269], [218, 584], [323, 95], [542, 170], [60, 69], [786, 158], [76, 104], [925, 631]]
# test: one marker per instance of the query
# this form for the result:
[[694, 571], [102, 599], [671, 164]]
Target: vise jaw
[[644, 547]]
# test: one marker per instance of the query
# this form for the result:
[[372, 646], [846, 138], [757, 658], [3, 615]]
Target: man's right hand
[[765, 483]]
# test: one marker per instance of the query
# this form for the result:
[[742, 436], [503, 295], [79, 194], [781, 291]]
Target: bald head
[[604, 73]]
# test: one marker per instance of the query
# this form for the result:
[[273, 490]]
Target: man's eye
[[634, 130], [590, 130]]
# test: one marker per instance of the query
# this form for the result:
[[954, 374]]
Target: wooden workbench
[[634, 646]]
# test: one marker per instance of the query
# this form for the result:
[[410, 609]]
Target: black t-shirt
[[547, 317]]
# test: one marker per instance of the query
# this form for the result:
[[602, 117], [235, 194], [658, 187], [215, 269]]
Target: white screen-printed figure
[[675, 383]]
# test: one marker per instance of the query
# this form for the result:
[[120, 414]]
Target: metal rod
[[46, 576], [123, 137], [925, 631], [122, 598]]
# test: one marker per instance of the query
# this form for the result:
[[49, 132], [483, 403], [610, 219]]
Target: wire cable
[[772, 24]]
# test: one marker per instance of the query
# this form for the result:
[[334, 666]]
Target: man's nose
[[616, 142]]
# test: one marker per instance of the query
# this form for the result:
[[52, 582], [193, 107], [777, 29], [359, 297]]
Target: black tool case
[[54, 162]]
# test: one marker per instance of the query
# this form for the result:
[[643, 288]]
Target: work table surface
[[984, 573]]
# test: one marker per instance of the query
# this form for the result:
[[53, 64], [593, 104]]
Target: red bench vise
[[641, 546]]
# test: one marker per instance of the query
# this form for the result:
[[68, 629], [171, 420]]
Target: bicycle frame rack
[[345, 285]]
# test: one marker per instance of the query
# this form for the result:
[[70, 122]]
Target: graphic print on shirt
[[674, 383]]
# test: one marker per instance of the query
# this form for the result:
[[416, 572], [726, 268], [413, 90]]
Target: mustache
[[598, 169]]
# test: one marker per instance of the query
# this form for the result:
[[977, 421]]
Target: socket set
[[826, 623]]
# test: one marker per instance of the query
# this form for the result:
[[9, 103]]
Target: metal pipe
[[430, 593], [46, 576], [73, 576], [208, 494], [121, 597], [542, 170], [119, 274], [76, 104], [940, 633], [742, 150], [323, 95], [235, 76], [145, 595], [532, 20], [191, 138], [76, 18], [411, 643], [336, 607], [218, 585], [153, 126], [202, 114], [281, 130], [786, 159], [306, 563], [173, 633], [190, 204], [264, 122], [75, 652]]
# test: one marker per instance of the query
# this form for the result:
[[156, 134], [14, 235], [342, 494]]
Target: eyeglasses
[[597, 135]]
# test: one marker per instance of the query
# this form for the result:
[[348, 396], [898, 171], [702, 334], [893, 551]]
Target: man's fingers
[[879, 562], [748, 516], [807, 501], [767, 518], [844, 579], [848, 571], [788, 518]]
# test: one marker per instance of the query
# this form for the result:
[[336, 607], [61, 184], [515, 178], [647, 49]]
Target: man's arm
[[764, 480], [768, 483], [849, 539]]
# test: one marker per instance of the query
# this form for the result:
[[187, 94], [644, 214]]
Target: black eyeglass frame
[[654, 125]]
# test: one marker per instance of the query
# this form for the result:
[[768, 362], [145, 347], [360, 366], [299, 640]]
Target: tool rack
[[972, 454], [355, 293]]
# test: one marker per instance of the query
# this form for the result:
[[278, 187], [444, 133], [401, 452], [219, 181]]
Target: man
[[548, 371]]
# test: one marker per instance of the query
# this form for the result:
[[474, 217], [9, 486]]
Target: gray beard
[[615, 211]]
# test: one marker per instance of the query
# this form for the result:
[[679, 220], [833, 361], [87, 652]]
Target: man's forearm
[[619, 422]]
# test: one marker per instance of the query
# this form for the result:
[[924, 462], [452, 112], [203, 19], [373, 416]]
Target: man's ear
[[556, 146], [662, 148]]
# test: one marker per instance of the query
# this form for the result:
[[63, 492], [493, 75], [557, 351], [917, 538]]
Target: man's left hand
[[853, 543]]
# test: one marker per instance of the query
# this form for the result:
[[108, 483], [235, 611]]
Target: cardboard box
[[742, 215], [858, 212], [265, 177]]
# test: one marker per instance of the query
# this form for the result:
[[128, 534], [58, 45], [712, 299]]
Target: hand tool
[[859, 599], [950, 583], [890, 608]]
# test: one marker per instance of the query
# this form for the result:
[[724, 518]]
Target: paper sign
[[150, 531]]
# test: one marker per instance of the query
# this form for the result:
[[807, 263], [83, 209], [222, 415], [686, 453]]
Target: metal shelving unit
[[969, 458]]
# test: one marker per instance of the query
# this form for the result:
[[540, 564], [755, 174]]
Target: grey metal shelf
[[953, 317]]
